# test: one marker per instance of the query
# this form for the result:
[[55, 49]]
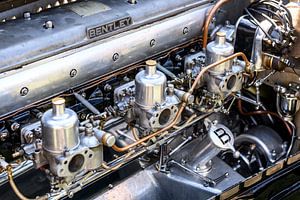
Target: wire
[[292, 140], [268, 10], [277, 6], [293, 68], [258, 24], [260, 112], [265, 16]]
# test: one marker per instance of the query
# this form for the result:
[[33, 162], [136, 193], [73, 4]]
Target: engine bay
[[148, 99]]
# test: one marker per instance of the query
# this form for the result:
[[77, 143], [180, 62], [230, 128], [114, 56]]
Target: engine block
[[155, 99]]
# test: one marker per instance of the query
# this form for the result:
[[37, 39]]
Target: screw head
[[24, 91], [152, 43], [115, 57], [185, 30], [73, 73]]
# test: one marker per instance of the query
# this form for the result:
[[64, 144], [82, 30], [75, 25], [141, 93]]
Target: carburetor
[[67, 146], [155, 107], [148, 100], [226, 77], [61, 141]]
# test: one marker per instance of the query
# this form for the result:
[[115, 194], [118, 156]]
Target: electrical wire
[[277, 6], [261, 112], [258, 24], [268, 10], [264, 15], [292, 140]]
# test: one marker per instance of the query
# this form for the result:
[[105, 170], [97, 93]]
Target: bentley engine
[[149, 99]]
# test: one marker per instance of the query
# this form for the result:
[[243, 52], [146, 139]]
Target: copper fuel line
[[209, 17], [15, 188], [263, 112]]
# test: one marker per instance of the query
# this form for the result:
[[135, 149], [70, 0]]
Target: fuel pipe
[[209, 18], [185, 99], [15, 188], [86, 103], [262, 112]]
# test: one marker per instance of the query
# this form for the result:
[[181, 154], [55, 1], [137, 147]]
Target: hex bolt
[[27, 15], [185, 30], [28, 136], [152, 43], [110, 186], [40, 9], [126, 79], [132, 1], [49, 24], [70, 194], [57, 3], [4, 135], [107, 88], [178, 58], [15, 126], [115, 57], [171, 89], [24, 91], [88, 129], [73, 73]]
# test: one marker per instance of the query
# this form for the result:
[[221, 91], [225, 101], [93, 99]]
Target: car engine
[[148, 99]]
